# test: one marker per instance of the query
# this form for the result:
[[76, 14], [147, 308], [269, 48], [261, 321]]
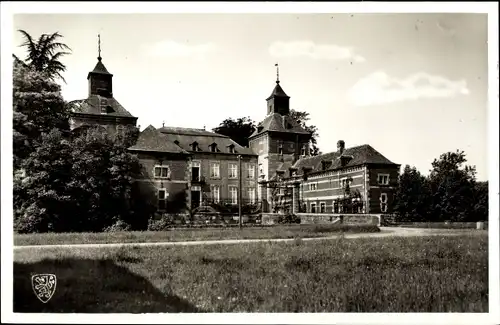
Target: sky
[[413, 86]]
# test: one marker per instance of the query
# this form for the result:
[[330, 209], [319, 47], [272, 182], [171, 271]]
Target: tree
[[453, 187], [41, 202], [480, 208], [44, 55], [302, 118], [239, 130], [84, 183], [38, 107], [411, 202]]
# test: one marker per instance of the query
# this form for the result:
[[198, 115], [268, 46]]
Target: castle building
[[184, 167]]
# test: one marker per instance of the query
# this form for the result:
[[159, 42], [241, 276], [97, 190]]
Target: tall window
[[383, 179], [162, 199], [322, 207], [313, 207], [280, 149], [251, 195], [251, 171], [162, 172], [214, 170], [303, 151], [233, 171], [312, 187], [233, 194], [383, 202], [215, 193]]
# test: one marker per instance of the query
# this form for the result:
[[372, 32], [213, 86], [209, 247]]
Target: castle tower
[[100, 107], [279, 141]]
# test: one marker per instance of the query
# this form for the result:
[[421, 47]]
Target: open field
[[412, 274], [269, 232]]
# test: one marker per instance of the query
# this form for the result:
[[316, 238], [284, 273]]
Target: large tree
[[38, 107], [44, 54], [239, 130], [412, 197], [453, 186]]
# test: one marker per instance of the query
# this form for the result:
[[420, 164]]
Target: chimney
[[340, 146]]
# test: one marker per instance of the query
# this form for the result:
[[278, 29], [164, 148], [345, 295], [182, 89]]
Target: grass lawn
[[417, 274], [289, 231]]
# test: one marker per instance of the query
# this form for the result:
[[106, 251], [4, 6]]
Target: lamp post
[[239, 190]]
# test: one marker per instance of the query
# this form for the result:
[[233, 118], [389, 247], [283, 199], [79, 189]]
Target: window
[[313, 207], [194, 146], [345, 181], [251, 195], [313, 187], [251, 171], [280, 149], [215, 193], [162, 199], [233, 193], [214, 170], [162, 172], [322, 207], [196, 171], [233, 171], [335, 207], [383, 202], [103, 103], [303, 151], [383, 179]]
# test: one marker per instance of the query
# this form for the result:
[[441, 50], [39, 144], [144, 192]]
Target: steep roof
[[100, 68], [152, 139], [278, 92], [278, 123], [364, 154], [185, 137], [92, 105]]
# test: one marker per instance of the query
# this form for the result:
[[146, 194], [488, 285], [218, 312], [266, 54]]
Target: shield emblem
[[44, 286]]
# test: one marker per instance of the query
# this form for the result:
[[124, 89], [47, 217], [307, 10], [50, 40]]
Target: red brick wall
[[224, 181], [376, 189], [176, 186]]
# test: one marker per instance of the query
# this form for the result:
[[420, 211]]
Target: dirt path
[[385, 232]]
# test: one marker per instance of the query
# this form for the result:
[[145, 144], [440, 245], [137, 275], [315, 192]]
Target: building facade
[[183, 168]]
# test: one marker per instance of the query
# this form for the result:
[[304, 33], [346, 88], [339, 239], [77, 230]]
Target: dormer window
[[344, 160], [213, 147], [231, 148], [195, 146]]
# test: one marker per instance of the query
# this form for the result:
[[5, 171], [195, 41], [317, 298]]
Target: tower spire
[[99, 46], [277, 73]]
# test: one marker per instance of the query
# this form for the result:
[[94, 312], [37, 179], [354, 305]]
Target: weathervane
[[99, 46], [277, 73]]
